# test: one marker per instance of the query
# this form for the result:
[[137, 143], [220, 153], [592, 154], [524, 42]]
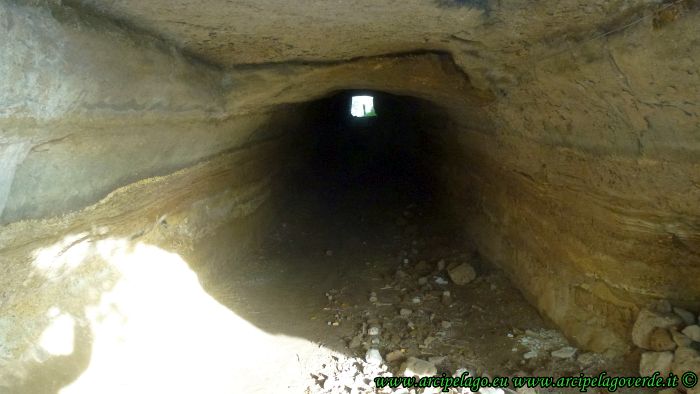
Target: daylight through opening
[[362, 106]]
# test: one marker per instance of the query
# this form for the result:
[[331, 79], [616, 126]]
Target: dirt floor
[[361, 264]]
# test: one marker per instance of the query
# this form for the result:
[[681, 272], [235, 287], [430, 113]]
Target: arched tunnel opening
[[187, 207], [363, 251]]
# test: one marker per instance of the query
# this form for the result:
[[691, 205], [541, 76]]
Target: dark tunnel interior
[[370, 163]]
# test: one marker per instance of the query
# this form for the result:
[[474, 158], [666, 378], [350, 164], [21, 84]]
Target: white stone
[[685, 359], [405, 312], [529, 355], [373, 357], [417, 367], [491, 390], [373, 331], [655, 361], [464, 372], [687, 316], [680, 339], [565, 352], [461, 371], [692, 332]]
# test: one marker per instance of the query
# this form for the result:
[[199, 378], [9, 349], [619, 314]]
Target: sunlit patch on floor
[[57, 339], [157, 330]]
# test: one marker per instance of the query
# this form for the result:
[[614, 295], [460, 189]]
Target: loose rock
[[662, 306], [692, 332], [441, 265], [565, 352], [446, 298], [680, 339], [685, 359], [373, 357], [394, 356], [462, 274], [417, 367], [647, 321], [355, 342], [687, 316], [530, 355], [655, 361], [660, 340]]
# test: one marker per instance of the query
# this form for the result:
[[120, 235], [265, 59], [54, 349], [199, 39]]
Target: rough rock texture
[[685, 359], [565, 133], [650, 328], [661, 340], [655, 362]]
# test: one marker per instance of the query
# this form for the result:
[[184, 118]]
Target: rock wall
[[109, 137], [89, 106], [584, 181]]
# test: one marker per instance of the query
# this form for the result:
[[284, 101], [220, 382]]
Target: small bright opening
[[362, 106]]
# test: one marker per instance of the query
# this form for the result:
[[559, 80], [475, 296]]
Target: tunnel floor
[[346, 256]]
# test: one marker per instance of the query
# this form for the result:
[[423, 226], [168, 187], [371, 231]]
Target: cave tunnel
[[202, 199]]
